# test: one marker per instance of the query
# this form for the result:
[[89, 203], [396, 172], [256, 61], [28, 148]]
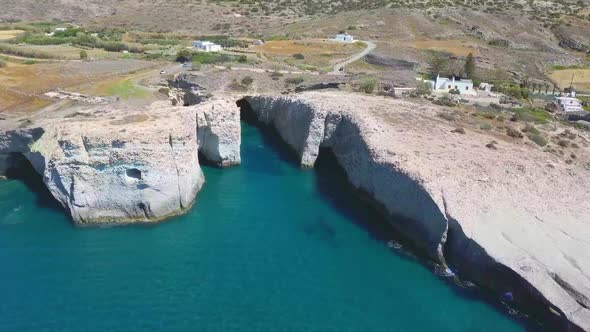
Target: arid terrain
[[115, 64]]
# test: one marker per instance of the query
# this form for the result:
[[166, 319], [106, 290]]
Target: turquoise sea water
[[268, 247]]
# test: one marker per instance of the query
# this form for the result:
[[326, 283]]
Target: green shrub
[[538, 139], [445, 101], [26, 53], [514, 91], [2, 63], [83, 55], [242, 59], [485, 126], [536, 115], [184, 55], [294, 80], [513, 133], [423, 88], [299, 56], [446, 116], [275, 75], [530, 129], [212, 58], [369, 85], [487, 115], [29, 62], [247, 81], [236, 86]]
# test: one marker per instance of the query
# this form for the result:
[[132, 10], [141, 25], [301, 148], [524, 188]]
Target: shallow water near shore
[[268, 247]]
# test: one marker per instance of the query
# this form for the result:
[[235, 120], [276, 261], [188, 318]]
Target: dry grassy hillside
[[256, 16]]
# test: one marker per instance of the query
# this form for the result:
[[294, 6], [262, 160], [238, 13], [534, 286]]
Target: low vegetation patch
[[538, 139], [238, 86], [487, 115], [486, 126], [513, 133], [294, 80], [127, 89], [530, 129], [368, 85], [187, 55], [536, 115], [447, 116], [26, 53]]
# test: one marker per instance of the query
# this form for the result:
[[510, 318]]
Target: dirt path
[[260, 70], [339, 67]]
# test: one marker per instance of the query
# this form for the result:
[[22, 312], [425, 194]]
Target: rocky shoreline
[[451, 206], [511, 219], [118, 165]]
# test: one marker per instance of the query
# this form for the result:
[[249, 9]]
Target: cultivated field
[[317, 53], [456, 47], [9, 34], [581, 78], [67, 51]]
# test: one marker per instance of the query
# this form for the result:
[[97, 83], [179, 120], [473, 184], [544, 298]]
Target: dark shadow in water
[[270, 136], [334, 188], [24, 172], [203, 161]]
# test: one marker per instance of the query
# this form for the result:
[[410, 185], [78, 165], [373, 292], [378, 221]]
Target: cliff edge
[[512, 218], [114, 164]]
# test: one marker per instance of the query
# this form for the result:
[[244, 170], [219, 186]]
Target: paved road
[[370, 47]]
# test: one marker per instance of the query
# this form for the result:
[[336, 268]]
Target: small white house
[[464, 86], [570, 104], [344, 37], [206, 46], [487, 87]]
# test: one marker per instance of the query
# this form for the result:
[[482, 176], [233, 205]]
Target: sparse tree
[[184, 55], [83, 55], [423, 88], [455, 68], [437, 64], [470, 66], [369, 85]]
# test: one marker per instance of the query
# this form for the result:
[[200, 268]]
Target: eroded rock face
[[219, 132], [117, 164], [503, 218]]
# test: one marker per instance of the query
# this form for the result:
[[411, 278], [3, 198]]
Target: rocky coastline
[[455, 200], [116, 165], [510, 219]]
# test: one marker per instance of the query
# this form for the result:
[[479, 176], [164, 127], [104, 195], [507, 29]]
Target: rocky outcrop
[[123, 165], [573, 44], [503, 218], [219, 132], [183, 90]]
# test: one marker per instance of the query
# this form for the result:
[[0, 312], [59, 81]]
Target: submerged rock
[[500, 217]]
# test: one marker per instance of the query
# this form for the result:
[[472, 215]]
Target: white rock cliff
[[120, 165], [504, 218]]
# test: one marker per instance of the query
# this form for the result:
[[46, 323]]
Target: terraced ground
[[579, 77]]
